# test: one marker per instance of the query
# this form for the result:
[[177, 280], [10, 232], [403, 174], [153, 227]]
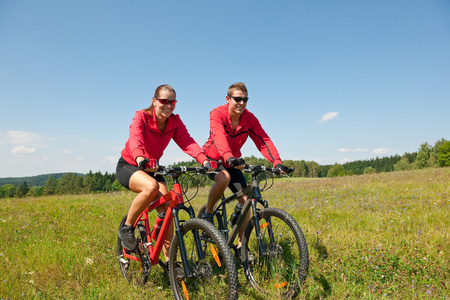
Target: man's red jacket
[[223, 143]]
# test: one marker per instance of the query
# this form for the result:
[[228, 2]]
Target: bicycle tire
[[200, 211], [209, 280], [217, 219], [282, 270], [134, 271]]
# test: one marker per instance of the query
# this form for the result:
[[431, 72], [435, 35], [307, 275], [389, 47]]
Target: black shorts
[[124, 171], [237, 179]]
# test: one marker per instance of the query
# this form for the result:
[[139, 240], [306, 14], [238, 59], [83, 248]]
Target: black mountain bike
[[274, 253]]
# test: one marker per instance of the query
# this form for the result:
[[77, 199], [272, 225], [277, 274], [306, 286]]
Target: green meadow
[[371, 236]]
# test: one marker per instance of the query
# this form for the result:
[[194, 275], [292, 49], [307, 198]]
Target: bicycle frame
[[254, 196], [176, 203]]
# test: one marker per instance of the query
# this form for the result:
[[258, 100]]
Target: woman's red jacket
[[146, 139]]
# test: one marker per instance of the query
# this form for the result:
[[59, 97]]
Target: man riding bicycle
[[230, 126]]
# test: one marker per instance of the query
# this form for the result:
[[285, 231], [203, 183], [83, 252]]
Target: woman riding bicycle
[[150, 132], [230, 126]]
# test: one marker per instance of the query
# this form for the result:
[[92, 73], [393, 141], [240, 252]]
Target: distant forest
[[427, 156]]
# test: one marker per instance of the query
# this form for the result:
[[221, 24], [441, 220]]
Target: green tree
[[336, 171], [313, 169], [70, 183], [443, 157], [22, 190], [300, 168], [423, 156], [7, 191], [39, 191], [50, 186], [108, 186], [402, 165], [370, 170], [116, 186], [89, 182]]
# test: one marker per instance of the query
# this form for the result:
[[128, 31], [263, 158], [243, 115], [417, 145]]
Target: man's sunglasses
[[165, 101], [239, 99]]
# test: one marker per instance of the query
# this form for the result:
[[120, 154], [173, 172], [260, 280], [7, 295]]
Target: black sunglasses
[[239, 99], [165, 101]]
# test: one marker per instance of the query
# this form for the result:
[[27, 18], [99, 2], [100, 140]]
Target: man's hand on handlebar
[[282, 169], [210, 164], [237, 163]]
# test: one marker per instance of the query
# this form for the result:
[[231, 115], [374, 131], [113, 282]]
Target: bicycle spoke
[[279, 268], [212, 272]]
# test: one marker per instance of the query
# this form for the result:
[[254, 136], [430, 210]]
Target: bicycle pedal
[[122, 260]]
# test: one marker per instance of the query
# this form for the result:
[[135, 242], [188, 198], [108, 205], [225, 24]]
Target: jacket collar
[[241, 119], [153, 123]]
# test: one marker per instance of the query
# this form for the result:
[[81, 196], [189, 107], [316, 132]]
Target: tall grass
[[369, 236]]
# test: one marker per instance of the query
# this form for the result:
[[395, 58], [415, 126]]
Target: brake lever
[[161, 171]]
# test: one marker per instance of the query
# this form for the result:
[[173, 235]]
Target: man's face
[[237, 102]]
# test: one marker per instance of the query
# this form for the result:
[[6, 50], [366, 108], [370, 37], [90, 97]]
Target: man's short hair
[[238, 86]]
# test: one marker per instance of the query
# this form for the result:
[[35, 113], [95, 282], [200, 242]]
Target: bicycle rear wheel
[[136, 272], [280, 267], [218, 222], [212, 277]]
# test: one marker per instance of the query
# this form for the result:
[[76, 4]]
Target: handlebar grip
[[143, 163]]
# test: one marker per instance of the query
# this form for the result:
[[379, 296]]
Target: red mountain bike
[[197, 247]]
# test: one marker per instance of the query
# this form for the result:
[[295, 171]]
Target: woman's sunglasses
[[165, 101]]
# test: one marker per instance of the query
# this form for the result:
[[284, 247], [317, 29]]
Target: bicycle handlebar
[[258, 169], [165, 170]]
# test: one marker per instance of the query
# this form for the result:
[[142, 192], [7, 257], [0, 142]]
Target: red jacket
[[147, 141], [223, 143]]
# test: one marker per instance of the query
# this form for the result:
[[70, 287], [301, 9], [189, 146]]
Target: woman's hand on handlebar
[[147, 165]]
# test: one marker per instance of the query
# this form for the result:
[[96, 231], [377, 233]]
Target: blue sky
[[330, 81]]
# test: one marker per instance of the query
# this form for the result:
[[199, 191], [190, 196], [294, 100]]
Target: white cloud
[[345, 150], [381, 151], [328, 117], [22, 137], [111, 159], [23, 150], [66, 152]]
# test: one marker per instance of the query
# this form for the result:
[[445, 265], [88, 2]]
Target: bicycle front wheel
[[212, 272], [275, 263]]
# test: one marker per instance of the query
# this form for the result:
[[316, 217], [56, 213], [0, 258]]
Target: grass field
[[369, 237]]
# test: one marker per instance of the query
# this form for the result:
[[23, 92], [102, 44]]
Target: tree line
[[427, 156], [70, 183]]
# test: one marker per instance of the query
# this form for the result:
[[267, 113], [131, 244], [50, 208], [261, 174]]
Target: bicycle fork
[[188, 273]]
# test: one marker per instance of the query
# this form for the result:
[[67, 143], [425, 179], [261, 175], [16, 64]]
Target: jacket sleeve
[[136, 138], [263, 142], [187, 143], [219, 135]]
